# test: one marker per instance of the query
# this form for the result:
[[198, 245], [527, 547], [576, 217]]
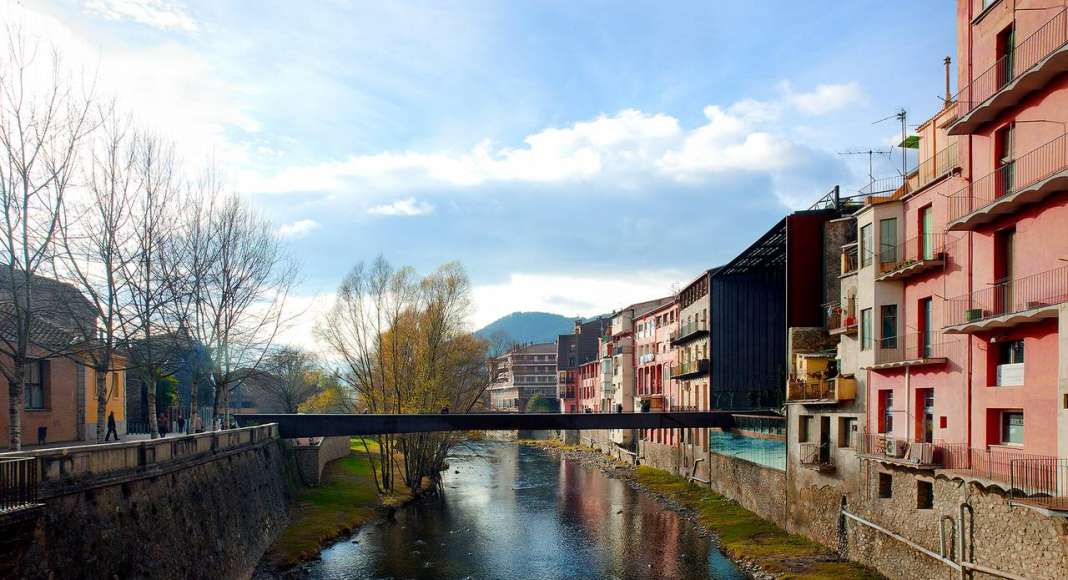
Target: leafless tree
[[289, 377], [44, 119]]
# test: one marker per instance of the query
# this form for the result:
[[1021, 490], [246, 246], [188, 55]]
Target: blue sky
[[574, 156]]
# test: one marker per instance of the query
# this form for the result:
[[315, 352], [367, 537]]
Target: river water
[[515, 513]]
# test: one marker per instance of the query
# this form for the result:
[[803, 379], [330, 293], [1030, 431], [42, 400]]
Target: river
[[515, 512]]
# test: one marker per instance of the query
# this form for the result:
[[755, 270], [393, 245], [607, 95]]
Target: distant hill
[[527, 327]]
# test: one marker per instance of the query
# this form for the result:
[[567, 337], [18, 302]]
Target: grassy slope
[[745, 535], [346, 500]]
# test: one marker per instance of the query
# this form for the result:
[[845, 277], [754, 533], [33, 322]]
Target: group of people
[[163, 424]]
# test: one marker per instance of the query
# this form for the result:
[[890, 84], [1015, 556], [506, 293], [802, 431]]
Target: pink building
[[654, 358]]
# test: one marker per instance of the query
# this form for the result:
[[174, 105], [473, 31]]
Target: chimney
[[948, 94]]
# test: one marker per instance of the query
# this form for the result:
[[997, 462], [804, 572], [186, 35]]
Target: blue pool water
[[766, 452]]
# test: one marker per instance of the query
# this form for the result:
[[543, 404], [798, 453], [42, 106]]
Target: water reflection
[[514, 512]]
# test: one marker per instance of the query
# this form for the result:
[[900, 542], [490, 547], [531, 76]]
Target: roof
[[767, 252]]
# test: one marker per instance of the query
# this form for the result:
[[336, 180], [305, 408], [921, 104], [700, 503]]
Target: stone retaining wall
[[202, 506], [313, 454]]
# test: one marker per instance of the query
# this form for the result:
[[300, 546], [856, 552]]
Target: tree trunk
[[14, 410], [101, 402], [191, 424], [216, 407], [150, 397]]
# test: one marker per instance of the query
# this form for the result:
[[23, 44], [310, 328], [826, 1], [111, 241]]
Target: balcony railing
[[1007, 183], [912, 349], [914, 256], [1026, 54], [817, 456], [1006, 298], [646, 358], [830, 390], [1039, 478], [841, 321], [689, 330], [18, 483], [901, 451], [940, 164], [850, 262], [690, 369]]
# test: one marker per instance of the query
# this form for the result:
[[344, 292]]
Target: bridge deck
[[292, 426]]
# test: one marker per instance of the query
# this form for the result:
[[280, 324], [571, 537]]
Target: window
[[804, 428], [886, 485], [34, 384], [926, 327], [847, 432], [1003, 146], [1006, 47], [865, 245], [1012, 427], [888, 314], [1010, 368], [886, 411], [888, 241], [924, 495], [865, 329], [927, 233]]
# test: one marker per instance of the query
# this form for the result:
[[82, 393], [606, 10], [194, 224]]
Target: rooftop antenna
[[871, 153], [900, 115]]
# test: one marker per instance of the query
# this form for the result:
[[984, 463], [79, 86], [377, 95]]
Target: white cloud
[[297, 229], [162, 14], [303, 312], [567, 294], [403, 207], [619, 150]]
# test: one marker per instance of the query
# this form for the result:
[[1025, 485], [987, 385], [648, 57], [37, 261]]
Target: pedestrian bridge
[[301, 425]]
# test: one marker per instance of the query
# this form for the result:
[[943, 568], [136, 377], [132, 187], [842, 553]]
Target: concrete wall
[[203, 506], [313, 454]]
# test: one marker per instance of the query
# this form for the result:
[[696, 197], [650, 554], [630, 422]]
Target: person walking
[[111, 427]]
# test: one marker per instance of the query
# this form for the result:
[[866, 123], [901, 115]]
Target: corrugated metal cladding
[[749, 339]]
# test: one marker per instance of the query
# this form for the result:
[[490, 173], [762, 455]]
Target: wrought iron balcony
[[18, 484], [1028, 179], [1030, 65], [1008, 303], [690, 369], [821, 391], [901, 451], [689, 331], [817, 456], [920, 254], [1030, 479], [913, 349]]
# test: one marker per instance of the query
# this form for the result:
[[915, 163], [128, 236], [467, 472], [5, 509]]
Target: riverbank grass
[[345, 500], [744, 535]]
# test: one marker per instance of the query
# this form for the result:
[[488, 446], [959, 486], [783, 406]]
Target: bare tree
[[235, 278], [289, 377], [43, 122]]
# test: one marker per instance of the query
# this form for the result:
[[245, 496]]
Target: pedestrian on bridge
[[111, 428]]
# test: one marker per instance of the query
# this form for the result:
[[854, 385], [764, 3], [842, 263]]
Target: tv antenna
[[871, 153], [900, 115]]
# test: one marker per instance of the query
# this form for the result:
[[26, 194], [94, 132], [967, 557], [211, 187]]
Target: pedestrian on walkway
[[111, 427]]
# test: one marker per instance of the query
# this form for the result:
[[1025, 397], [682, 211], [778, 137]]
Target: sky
[[573, 156]]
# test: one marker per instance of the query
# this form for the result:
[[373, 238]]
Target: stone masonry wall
[[759, 489], [201, 516], [312, 457]]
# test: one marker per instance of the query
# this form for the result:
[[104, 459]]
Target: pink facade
[[589, 387], [654, 359]]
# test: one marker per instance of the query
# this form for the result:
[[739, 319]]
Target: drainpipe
[[971, 266], [909, 426]]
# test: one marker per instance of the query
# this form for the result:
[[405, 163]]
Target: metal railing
[[1009, 297], [938, 165], [840, 320], [18, 483], [912, 346], [924, 247], [850, 260], [1020, 173], [1048, 38], [817, 455], [689, 329], [901, 450], [882, 185], [689, 367], [798, 390], [1039, 476]]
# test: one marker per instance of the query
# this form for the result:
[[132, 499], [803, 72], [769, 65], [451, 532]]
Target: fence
[[18, 483], [1039, 476], [1009, 297], [1020, 173], [922, 248], [689, 329], [912, 346], [1049, 37], [902, 450]]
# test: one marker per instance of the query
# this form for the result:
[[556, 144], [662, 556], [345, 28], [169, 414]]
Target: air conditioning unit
[[973, 314], [895, 449]]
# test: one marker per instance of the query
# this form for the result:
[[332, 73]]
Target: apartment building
[[690, 342], [573, 351], [521, 374], [655, 389]]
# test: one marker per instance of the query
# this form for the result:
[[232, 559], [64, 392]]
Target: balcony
[[647, 358], [817, 456], [916, 256], [841, 321], [1008, 303], [821, 391], [850, 263], [1030, 66], [1032, 480], [1027, 179], [899, 451], [690, 370], [911, 350], [689, 331], [936, 167]]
